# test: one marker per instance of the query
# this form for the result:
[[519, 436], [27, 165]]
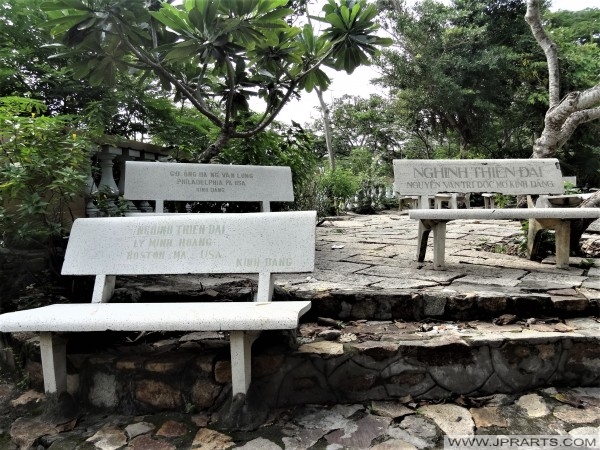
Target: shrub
[[43, 165], [335, 188]]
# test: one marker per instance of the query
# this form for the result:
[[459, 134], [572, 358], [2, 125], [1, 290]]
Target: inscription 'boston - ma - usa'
[[424, 177]]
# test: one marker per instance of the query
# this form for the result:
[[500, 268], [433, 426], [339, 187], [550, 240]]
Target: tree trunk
[[563, 116], [327, 127], [215, 148]]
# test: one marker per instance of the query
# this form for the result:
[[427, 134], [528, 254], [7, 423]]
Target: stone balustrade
[[106, 186]]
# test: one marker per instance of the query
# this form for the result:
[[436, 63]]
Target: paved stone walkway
[[362, 263], [378, 425]]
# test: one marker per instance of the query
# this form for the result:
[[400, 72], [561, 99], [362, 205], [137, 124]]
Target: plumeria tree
[[565, 113], [217, 54]]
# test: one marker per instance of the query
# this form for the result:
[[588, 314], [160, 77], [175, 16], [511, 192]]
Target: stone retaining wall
[[364, 361]]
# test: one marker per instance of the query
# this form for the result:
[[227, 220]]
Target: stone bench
[[253, 243], [509, 177], [159, 181]]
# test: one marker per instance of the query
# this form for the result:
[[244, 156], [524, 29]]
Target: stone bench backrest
[[190, 243], [207, 182], [504, 176]]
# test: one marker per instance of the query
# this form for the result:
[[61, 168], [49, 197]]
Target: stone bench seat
[[187, 316], [558, 219]]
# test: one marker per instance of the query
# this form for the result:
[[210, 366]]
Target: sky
[[304, 110]]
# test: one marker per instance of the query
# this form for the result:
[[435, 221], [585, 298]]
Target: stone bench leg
[[562, 235], [453, 203], [241, 360], [423, 236], [439, 242], [53, 350], [439, 246]]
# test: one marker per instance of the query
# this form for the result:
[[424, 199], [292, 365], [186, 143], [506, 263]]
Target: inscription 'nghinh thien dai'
[[478, 177], [148, 244]]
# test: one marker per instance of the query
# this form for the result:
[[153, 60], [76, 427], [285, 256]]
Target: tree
[[365, 123], [216, 54], [566, 113], [460, 73], [44, 163]]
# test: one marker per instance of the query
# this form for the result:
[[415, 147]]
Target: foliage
[[27, 65], [281, 145], [335, 188], [371, 174], [216, 54], [364, 123], [462, 76], [43, 163], [185, 130]]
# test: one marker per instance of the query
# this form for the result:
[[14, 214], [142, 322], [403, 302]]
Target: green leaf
[[63, 4], [275, 15], [270, 5], [173, 18], [336, 21]]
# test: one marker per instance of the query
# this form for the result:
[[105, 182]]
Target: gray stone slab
[[403, 283], [397, 261], [437, 276], [474, 280], [353, 281], [341, 267], [207, 182], [591, 283], [507, 176], [555, 281], [454, 420], [192, 243]]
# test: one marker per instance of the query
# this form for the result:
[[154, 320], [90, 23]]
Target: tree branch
[[533, 18], [147, 59]]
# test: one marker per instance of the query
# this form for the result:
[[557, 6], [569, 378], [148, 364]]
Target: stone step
[[461, 301], [458, 303], [331, 362]]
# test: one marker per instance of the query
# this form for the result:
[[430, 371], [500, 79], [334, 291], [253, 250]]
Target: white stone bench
[[259, 243], [509, 177], [160, 181]]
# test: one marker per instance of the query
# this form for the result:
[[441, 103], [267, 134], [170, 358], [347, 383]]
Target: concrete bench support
[[53, 351], [562, 234], [558, 219]]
